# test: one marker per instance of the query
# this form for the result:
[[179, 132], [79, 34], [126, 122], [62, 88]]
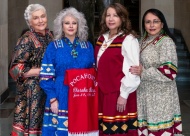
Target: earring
[[162, 31], [31, 29], [76, 34], [63, 34], [145, 34]]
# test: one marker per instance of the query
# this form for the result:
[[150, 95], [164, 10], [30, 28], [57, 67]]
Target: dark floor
[[6, 111]]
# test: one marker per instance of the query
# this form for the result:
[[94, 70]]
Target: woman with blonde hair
[[69, 50]]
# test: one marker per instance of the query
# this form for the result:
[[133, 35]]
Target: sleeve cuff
[[124, 94], [52, 95]]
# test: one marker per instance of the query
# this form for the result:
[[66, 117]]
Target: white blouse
[[130, 51]]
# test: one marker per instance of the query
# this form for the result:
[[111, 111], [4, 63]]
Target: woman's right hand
[[136, 70], [121, 104], [32, 72], [54, 105]]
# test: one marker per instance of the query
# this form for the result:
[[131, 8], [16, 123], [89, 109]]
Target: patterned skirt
[[158, 110], [55, 124], [29, 109], [114, 123]]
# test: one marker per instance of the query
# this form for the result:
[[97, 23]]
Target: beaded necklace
[[154, 41], [73, 45]]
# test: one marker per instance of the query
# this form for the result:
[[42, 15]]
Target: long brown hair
[[124, 16]]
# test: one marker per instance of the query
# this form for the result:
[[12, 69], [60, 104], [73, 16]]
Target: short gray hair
[[82, 29], [30, 9]]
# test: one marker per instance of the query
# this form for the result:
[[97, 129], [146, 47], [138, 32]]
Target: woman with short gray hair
[[30, 9], [25, 68]]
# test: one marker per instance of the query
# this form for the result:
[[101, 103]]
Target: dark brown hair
[[124, 16], [160, 15]]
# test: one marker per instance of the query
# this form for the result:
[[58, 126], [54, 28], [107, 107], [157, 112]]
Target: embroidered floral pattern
[[157, 96]]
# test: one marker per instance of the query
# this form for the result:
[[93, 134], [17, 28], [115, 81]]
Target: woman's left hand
[[121, 104], [54, 105]]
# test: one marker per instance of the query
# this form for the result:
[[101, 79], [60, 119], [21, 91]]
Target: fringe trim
[[91, 133]]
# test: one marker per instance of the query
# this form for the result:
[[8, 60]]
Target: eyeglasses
[[155, 22]]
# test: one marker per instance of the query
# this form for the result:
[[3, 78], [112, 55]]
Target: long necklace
[[105, 45], [74, 53]]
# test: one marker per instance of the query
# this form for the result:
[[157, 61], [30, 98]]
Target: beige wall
[[166, 6], [182, 19], [16, 22], [3, 45]]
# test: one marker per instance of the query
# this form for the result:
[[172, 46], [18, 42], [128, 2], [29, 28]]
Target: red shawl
[[82, 101]]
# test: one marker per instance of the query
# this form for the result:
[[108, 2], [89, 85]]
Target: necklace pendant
[[104, 46], [74, 53]]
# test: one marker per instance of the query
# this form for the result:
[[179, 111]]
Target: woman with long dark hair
[[157, 96], [116, 50]]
